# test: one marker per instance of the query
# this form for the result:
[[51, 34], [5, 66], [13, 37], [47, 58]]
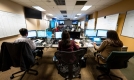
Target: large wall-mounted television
[[32, 13], [61, 22], [74, 22]]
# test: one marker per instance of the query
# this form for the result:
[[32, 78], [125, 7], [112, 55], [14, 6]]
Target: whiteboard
[[91, 24], [128, 28], [108, 23], [10, 23], [82, 24]]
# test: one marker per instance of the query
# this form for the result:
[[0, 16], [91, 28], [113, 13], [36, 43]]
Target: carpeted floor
[[47, 70]]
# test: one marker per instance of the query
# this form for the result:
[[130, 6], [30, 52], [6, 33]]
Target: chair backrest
[[17, 55], [118, 59], [70, 57]]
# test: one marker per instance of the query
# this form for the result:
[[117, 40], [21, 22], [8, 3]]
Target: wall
[[120, 7], [9, 6], [33, 24]]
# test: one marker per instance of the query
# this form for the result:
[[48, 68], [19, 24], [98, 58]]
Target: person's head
[[111, 34], [23, 32], [65, 39], [114, 39], [65, 35]]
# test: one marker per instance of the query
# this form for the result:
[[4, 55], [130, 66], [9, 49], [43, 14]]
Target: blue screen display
[[61, 22], [74, 22], [52, 24], [49, 34]]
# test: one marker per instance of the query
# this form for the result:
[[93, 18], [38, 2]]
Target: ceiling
[[69, 6]]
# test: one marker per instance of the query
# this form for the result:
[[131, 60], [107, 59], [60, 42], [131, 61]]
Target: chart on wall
[[128, 28], [108, 22], [10, 24], [91, 24]]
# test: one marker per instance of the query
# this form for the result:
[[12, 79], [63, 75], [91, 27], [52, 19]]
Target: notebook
[[97, 40]]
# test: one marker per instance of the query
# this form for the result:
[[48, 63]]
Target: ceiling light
[[79, 14], [85, 8], [38, 8], [50, 14], [75, 17]]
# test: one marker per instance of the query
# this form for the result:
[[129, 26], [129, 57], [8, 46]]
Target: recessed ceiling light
[[85, 8], [38, 8], [50, 14], [79, 14]]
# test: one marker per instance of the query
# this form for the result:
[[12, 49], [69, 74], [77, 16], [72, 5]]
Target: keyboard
[[38, 44]]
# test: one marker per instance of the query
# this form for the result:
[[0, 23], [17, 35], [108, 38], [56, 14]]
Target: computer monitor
[[74, 22], [58, 34], [90, 32], [61, 22], [74, 35], [31, 34], [41, 33], [102, 33], [97, 39]]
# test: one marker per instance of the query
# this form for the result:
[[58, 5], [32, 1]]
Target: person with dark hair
[[66, 44], [112, 43], [23, 38]]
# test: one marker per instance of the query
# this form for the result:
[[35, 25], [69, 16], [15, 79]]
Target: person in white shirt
[[23, 38]]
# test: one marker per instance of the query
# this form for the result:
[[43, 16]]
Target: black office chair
[[17, 55], [116, 60], [68, 63]]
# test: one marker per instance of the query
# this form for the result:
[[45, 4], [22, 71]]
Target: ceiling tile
[[70, 7], [62, 7], [52, 3], [70, 2], [35, 0]]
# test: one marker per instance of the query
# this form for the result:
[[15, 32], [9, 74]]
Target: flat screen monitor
[[31, 34], [74, 22], [90, 32], [74, 35], [41, 33], [49, 34], [32, 13], [61, 22], [58, 34], [102, 33]]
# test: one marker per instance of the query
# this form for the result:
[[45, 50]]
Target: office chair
[[68, 63], [116, 60], [17, 55]]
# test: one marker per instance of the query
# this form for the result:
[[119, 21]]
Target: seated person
[[23, 38], [112, 43], [66, 44]]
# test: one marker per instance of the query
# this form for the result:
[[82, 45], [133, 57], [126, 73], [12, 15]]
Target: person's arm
[[101, 47], [59, 46], [76, 47], [32, 44]]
